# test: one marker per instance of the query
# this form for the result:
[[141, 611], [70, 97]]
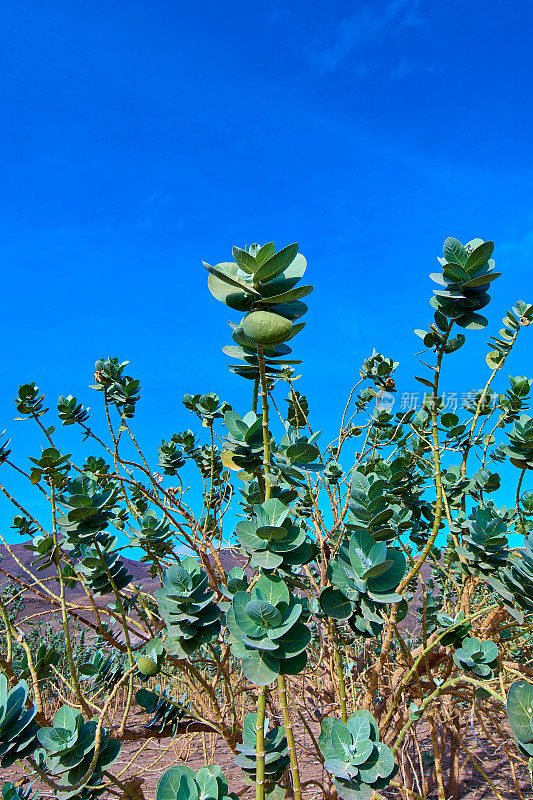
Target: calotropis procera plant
[[355, 756], [347, 611]]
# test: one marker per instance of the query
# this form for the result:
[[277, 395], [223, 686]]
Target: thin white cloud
[[406, 67], [370, 25]]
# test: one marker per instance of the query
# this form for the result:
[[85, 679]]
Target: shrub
[[373, 590]]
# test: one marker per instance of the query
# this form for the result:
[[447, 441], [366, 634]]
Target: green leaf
[[292, 666], [455, 343], [324, 740], [520, 710], [424, 381], [261, 668], [177, 783], [248, 626], [264, 559], [245, 261], [302, 453], [481, 280], [291, 311], [290, 296], [276, 264], [479, 256], [455, 273], [66, 717], [359, 727], [341, 740], [294, 642], [263, 613], [245, 531], [335, 604], [494, 359], [265, 251], [273, 589], [272, 512], [363, 753], [449, 420], [229, 279], [454, 251], [385, 764], [472, 321], [206, 780], [392, 577], [290, 619]]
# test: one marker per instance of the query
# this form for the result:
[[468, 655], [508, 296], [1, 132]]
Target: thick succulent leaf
[[290, 618], [274, 590], [245, 260], [456, 274], [293, 666], [339, 767], [359, 728], [207, 782], [294, 642], [291, 311], [261, 668], [248, 626], [363, 752], [292, 540], [353, 790], [270, 533], [226, 272], [520, 710], [472, 321], [341, 740], [249, 728], [289, 296], [263, 613], [109, 753], [177, 783], [265, 251], [378, 569], [68, 718], [324, 739], [260, 644], [374, 731], [335, 604], [494, 359], [385, 764], [271, 512], [265, 559], [276, 264], [454, 251], [481, 280], [228, 294], [391, 578], [302, 453], [54, 739], [479, 256], [246, 534]]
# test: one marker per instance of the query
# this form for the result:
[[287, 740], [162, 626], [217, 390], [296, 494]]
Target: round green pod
[[147, 666], [264, 327]]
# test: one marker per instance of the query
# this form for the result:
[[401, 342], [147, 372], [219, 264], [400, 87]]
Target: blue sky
[[139, 138]]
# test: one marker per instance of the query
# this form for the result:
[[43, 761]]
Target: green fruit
[[264, 327], [147, 666]]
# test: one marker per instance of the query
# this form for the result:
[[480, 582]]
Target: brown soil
[[145, 759]]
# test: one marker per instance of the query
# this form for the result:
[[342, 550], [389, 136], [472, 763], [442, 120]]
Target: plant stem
[[266, 435], [295, 772], [337, 655], [64, 618], [260, 745]]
